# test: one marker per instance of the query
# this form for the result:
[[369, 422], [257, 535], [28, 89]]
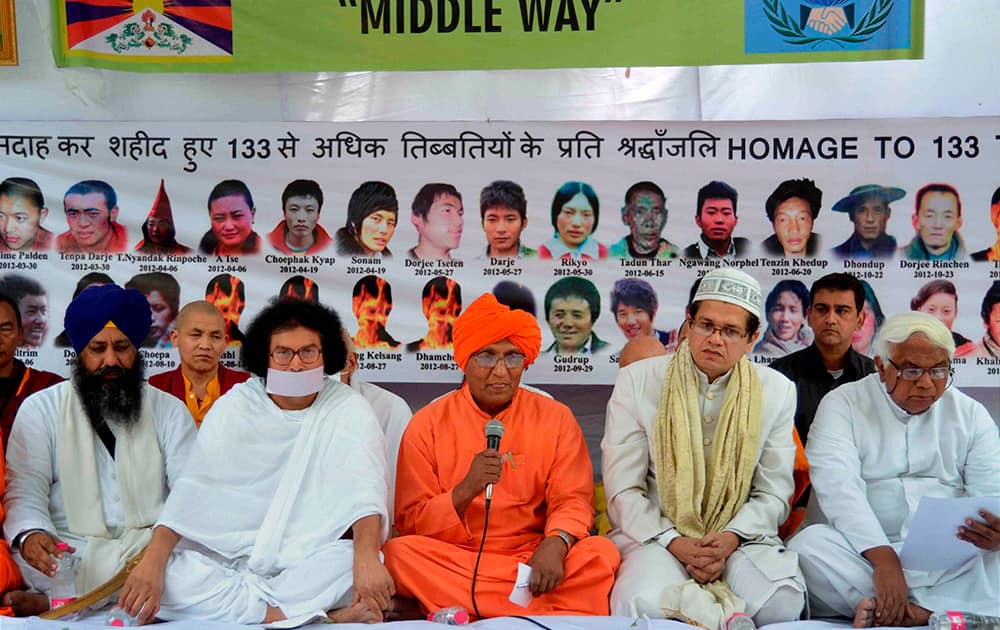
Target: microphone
[[494, 431]]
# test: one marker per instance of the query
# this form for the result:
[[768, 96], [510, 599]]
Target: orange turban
[[487, 321]]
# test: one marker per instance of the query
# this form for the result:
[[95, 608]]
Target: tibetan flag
[[147, 30]]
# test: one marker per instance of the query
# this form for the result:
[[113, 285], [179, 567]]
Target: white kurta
[[264, 503], [34, 498], [759, 569], [393, 415], [870, 462]]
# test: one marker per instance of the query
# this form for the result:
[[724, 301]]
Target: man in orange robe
[[10, 575], [543, 487]]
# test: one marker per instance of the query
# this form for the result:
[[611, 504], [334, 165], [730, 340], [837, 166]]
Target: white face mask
[[292, 384]]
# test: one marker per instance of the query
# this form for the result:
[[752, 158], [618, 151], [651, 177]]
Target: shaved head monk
[[199, 335], [541, 479], [642, 347]]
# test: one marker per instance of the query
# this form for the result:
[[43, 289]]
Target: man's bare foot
[[864, 614], [355, 613], [25, 604], [402, 609], [916, 615], [274, 614]]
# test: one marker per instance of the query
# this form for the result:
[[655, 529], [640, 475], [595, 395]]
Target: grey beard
[[118, 400]]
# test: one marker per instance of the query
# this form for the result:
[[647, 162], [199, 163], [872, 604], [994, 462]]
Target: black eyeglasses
[[284, 356]]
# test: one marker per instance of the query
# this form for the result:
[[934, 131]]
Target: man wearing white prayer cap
[[698, 471]]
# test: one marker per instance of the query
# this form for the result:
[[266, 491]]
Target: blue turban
[[90, 312]]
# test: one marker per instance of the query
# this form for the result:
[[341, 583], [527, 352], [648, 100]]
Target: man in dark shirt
[[868, 207], [835, 312]]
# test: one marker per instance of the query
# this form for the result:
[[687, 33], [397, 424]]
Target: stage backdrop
[[574, 178], [311, 35]]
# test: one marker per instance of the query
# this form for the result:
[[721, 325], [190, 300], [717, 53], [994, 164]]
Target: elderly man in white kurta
[[876, 447], [282, 509], [698, 471], [91, 460]]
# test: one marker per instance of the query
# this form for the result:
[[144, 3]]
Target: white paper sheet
[[521, 593], [932, 543]]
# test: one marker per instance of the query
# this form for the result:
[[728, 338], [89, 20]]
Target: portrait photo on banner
[[509, 208]]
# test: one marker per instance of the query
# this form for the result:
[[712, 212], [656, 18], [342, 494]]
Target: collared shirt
[[199, 408], [701, 249], [884, 246], [592, 345], [812, 380], [624, 248], [707, 252], [276, 237], [917, 249]]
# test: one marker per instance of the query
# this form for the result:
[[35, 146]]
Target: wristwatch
[[565, 538], [20, 538]]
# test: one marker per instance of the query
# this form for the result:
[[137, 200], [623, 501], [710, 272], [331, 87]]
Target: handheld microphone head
[[494, 431]]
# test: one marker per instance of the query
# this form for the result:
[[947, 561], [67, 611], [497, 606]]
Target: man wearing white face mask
[[254, 531]]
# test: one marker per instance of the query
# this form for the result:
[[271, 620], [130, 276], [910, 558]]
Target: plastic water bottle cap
[[117, 623], [61, 546], [461, 617]]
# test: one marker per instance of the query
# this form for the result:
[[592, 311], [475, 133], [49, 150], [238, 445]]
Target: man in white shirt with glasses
[[875, 448], [698, 458]]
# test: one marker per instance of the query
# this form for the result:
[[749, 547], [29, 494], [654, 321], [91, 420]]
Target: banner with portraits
[[600, 229], [345, 35]]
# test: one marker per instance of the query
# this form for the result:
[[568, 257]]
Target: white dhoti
[[265, 503], [839, 577], [651, 581], [203, 585]]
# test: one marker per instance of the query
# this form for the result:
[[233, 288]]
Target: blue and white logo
[[774, 26]]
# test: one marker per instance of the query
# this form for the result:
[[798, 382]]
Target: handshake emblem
[[827, 20]]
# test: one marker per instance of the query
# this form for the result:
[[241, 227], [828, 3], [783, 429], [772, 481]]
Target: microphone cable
[[475, 573], [479, 555], [494, 432]]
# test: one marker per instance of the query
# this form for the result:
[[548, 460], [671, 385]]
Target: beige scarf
[[141, 483], [703, 496]]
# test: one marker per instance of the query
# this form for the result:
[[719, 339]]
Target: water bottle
[[450, 616], [118, 618], [740, 621], [958, 620], [64, 583]]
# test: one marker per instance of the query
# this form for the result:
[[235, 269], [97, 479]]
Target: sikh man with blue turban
[[90, 461]]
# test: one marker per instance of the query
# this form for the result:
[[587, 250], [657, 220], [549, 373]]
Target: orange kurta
[[801, 476], [10, 575], [546, 484]]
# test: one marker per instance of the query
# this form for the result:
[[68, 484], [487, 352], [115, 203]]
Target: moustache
[[109, 370]]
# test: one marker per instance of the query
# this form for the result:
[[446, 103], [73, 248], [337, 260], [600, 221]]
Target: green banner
[[340, 35]]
